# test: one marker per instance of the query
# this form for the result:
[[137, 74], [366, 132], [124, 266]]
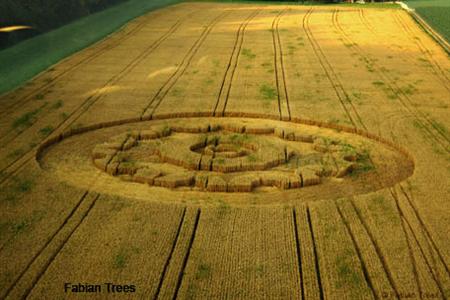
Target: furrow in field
[[33, 271], [364, 20], [358, 219], [434, 270], [438, 135], [239, 244], [298, 252], [169, 258], [426, 277], [182, 267], [280, 76], [156, 100], [417, 272], [254, 89], [122, 241], [57, 251], [331, 75], [33, 207], [12, 167], [405, 220], [442, 74], [377, 273], [173, 271], [310, 273], [225, 87], [97, 51], [430, 241], [379, 215], [364, 264], [89, 101], [342, 273]]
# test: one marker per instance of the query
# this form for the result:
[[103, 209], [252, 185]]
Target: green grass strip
[[305, 3], [435, 12], [25, 60], [438, 18]]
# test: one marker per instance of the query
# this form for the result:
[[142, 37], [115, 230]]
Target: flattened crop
[[225, 155]]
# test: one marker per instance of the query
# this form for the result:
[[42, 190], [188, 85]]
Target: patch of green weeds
[[364, 163], [23, 186], [58, 104], [16, 153], [203, 271], [176, 92], [224, 208], [440, 127], [410, 89], [26, 120], [251, 157], [350, 45], [259, 270], [216, 63], [392, 96], [19, 227], [166, 130], [346, 274], [248, 53], [120, 259], [64, 115], [46, 131], [268, 92], [219, 160], [18, 187]]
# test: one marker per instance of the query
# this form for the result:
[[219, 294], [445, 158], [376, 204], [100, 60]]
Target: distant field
[[435, 12]]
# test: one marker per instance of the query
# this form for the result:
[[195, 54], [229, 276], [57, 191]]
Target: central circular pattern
[[235, 157], [184, 159], [220, 148]]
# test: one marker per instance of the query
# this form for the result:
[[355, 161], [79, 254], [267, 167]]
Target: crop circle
[[227, 156]]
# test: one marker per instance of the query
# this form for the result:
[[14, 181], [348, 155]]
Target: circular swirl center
[[226, 159]]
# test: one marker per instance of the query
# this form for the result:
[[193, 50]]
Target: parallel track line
[[156, 100], [186, 258], [232, 66], [47, 243]]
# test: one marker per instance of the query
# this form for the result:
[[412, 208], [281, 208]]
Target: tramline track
[[156, 100], [401, 214], [404, 99], [407, 55], [443, 77], [113, 80], [341, 94], [58, 239], [280, 76], [109, 45], [225, 87], [85, 105]]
